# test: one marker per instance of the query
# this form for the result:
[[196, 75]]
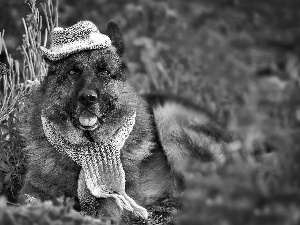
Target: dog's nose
[[87, 97]]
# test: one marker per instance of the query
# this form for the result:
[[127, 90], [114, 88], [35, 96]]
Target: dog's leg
[[49, 179], [35, 191]]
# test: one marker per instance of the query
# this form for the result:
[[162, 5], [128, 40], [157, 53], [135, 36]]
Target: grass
[[214, 53], [17, 77]]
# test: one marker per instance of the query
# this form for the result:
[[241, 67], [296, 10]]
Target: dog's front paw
[[29, 199]]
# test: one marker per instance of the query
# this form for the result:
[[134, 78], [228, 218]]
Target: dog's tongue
[[88, 119]]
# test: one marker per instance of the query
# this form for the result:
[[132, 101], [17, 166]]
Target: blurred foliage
[[45, 214], [237, 58], [243, 192]]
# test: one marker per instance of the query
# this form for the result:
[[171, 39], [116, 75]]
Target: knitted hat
[[84, 35]]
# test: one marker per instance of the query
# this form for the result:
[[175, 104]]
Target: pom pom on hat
[[83, 35]]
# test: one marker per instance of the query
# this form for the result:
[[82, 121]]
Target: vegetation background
[[238, 59]]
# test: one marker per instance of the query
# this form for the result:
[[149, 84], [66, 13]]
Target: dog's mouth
[[88, 121]]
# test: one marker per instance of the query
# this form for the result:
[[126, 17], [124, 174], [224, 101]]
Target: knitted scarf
[[101, 163]]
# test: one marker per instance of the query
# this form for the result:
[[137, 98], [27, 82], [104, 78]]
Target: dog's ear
[[114, 33]]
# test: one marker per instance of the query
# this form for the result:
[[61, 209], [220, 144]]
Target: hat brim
[[60, 52]]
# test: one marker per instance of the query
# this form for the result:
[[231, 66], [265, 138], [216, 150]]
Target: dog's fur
[[168, 132]]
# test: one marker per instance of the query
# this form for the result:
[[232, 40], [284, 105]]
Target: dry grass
[[17, 78]]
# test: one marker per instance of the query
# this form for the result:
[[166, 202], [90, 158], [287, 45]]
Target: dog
[[91, 136]]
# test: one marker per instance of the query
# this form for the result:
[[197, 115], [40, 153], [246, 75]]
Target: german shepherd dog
[[84, 100]]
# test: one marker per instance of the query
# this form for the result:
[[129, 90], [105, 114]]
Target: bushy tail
[[188, 133]]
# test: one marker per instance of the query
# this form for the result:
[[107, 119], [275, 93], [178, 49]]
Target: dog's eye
[[72, 72], [103, 71]]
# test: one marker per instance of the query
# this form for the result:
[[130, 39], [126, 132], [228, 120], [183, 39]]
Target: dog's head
[[87, 92]]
